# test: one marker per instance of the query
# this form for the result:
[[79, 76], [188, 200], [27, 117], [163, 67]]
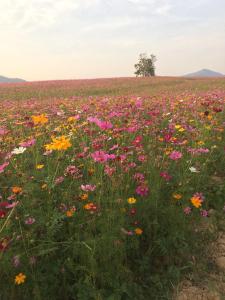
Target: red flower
[[2, 214]]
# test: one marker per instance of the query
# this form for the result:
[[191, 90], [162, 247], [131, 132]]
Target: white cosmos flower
[[193, 170], [19, 150]]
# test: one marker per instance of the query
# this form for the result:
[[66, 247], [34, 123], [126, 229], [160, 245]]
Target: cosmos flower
[[193, 170], [29, 221], [142, 190], [40, 119], [19, 150], [175, 155], [88, 187], [3, 166], [59, 143], [20, 278], [131, 200]]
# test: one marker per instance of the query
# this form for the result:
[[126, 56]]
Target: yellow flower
[[71, 119], [38, 167], [40, 119], [177, 126], [181, 129], [16, 189], [131, 200], [196, 201], [200, 143], [177, 196], [44, 186], [138, 231], [59, 143], [20, 278]]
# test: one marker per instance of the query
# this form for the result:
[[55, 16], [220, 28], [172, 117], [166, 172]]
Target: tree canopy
[[146, 65]]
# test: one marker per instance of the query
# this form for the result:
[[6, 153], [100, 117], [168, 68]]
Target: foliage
[[145, 66]]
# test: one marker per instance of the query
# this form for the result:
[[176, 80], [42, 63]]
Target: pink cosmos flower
[[175, 155], [102, 156], [28, 143], [109, 170], [142, 190], [142, 158], [137, 141], [29, 221], [3, 131], [187, 210], [104, 125], [59, 180], [88, 187], [3, 166], [166, 176], [139, 177], [204, 213]]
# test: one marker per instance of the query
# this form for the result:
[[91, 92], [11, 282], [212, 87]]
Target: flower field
[[104, 184]]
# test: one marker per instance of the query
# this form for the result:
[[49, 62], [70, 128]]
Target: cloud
[[30, 14]]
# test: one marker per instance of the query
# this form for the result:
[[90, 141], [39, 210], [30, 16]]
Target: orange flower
[[177, 196], [16, 189], [20, 278], [84, 197], [196, 201], [40, 119], [138, 231], [69, 213], [59, 143]]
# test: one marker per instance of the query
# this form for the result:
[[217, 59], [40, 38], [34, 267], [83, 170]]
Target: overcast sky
[[63, 39]]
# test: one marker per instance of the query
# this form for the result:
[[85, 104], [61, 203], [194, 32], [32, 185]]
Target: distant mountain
[[204, 73], [8, 80]]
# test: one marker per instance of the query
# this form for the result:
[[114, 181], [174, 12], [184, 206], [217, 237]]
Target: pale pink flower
[[88, 187], [3, 166], [28, 143], [29, 221]]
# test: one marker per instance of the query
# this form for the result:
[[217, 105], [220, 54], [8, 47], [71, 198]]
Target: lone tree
[[145, 66]]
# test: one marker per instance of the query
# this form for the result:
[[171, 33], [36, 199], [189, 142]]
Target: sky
[[73, 39]]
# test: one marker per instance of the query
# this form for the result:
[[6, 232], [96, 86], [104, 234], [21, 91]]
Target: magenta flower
[[175, 155], [104, 125], [204, 213], [102, 156], [166, 176], [142, 190]]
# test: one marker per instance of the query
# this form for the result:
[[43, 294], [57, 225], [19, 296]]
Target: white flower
[[19, 150], [193, 170]]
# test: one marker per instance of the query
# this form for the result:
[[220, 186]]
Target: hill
[[8, 80], [204, 73]]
